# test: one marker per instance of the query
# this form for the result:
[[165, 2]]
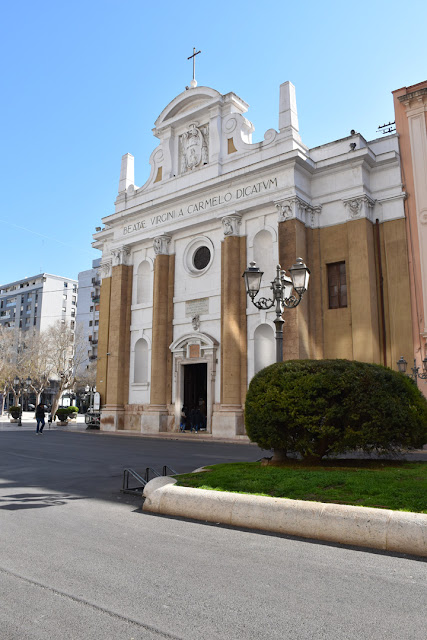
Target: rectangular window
[[337, 285], [96, 323], [90, 323], [91, 309], [65, 284]]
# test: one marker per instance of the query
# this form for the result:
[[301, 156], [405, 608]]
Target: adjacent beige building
[[410, 105]]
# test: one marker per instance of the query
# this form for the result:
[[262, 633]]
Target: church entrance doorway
[[195, 389]]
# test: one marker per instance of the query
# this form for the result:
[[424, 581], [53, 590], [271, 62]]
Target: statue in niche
[[194, 148]]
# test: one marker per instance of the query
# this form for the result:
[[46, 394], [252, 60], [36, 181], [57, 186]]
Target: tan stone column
[[157, 418], [104, 328], [362, 281], [118, 354], [293, 243], [397, 292], [228, 421]]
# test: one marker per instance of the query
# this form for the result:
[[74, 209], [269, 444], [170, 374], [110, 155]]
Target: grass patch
[[401, 486]]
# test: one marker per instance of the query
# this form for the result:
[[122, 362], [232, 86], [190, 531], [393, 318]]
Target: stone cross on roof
[[194, 81]]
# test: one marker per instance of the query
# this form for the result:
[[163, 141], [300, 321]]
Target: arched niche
[[264, 347], [140, 367], [143, 283], [264, 254]]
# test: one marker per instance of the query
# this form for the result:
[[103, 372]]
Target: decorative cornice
[[295, 207], [359, 207], [161, 245], [419, 97], [120, 255], [231, 224]]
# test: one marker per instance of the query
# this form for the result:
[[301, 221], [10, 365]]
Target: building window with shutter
[[337, 285]]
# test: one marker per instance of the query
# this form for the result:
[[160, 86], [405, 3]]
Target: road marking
[[92, 605]]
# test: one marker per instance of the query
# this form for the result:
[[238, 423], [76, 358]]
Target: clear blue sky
[[83, 82]]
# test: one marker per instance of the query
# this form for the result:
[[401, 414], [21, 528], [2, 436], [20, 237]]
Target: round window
[[201, 258], [198, 256]]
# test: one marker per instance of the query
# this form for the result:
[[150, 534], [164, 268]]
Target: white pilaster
[[288, 115], [127, 172]]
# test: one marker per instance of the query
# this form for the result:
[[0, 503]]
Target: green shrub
[[72, 409], [322, 407], [62, 414]]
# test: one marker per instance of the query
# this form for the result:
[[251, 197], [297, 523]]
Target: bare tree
[[7, 362], [66, 355], [37, 362]]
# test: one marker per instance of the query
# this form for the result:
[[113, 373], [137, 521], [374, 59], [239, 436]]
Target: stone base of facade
[[156, 419], [112, 417], [228, 422]]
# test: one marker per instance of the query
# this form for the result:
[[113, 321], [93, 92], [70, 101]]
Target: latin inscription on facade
[[206, 204], [196, 307]]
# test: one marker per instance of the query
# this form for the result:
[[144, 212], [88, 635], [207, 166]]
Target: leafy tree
[[325, 407]]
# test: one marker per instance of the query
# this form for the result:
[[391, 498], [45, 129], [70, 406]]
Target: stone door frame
[[206, 347]]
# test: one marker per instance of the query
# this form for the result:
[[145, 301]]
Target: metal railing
[[149, 474]]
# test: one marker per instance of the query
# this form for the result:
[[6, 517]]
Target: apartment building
[[38, 302], [87, 319]]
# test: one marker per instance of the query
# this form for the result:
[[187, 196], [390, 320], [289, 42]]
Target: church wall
[[397, 292], [337, 333], [141, 325], [271, 202]]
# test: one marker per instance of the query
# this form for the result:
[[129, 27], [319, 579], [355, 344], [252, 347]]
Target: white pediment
[[204, 340], [189, 101]]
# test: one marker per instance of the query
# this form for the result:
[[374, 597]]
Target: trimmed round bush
[[72, 409], [62, 414], [326, 407]]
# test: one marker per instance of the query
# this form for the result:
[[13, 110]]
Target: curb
[[397, 531]]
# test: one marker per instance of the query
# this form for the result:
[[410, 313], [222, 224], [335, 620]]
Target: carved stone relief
[[231, 224], [160, 245], [359, 207], [296, 207], [105, 269], [120, 255], [193, 147]]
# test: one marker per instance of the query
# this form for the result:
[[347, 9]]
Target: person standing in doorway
[[40, 414]]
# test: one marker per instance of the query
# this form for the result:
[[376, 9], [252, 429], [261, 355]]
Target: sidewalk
[[29, 423]]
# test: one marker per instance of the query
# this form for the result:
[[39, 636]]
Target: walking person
[[40, 414]]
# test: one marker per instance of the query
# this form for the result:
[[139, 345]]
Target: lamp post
[[402, 365], [91, 389], [23, 388], [287, 293]]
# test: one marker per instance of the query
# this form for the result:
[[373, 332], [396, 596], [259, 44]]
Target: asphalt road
[[80, 561]]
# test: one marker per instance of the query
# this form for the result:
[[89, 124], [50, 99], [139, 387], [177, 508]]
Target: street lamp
[[91, 389], [287, 293], [23, 388], [402, 365]]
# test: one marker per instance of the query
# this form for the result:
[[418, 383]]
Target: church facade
[[176, 327]]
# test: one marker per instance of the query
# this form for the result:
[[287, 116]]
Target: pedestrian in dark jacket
[[40, 414]]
